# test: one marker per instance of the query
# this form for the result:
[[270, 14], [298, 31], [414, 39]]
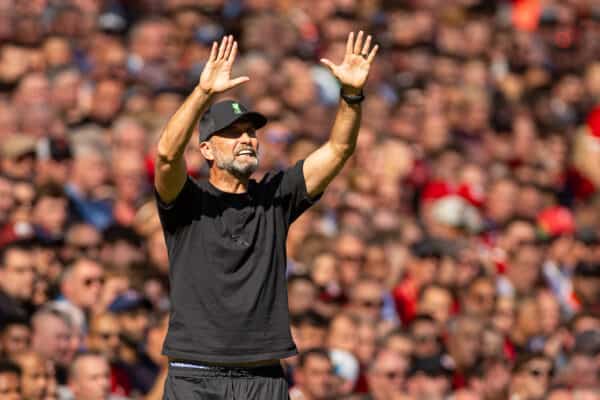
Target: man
[[34, 378], [81, 284], [428, 378], [464, 342], [50, 213], [104, 337], [366, 300], [89, 378], [342, 333], [386, 375], [52, 335], [17, 277], [10, 377], [313, 377], [15, 336], [17, 157], [226, 236], [133, 314], [531, 377]]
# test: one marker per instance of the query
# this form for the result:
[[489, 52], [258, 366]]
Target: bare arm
[[325, 163], [170, 170]]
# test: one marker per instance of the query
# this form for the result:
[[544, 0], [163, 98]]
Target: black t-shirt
[[227, 268]]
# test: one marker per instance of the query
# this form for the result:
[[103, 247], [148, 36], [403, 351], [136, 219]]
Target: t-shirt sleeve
[[293, 191], [179, 212]]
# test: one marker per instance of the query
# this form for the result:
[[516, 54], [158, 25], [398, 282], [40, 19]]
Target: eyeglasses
[[424, 338], [108, 335], [85, 247], [482, 296], [90, 281], [538, 372], [29, 156], [370, 303], [391, 375], [352, 258]]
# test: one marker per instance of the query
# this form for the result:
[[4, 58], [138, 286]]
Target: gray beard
[[237, 168]]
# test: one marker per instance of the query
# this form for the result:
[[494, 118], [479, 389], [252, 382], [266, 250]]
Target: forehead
[[17, 256], [105, 321], [85, 267]]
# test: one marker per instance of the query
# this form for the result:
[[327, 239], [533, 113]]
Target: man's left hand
[[352, 73]]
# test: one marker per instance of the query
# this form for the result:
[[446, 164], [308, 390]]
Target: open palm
[[354, 69], [216, 75]]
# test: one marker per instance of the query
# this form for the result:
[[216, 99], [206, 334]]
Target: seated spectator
[[302, 294], [89, 378], [17, 277], [314, 376], [52, 338], [426, 336], [386, 375], [429, 378], [81, 284], [10, 381], [104, 337], [531, 377], [15, 336], [35, 379]]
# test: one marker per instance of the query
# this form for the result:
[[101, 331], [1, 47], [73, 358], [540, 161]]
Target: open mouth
[[249, 153]]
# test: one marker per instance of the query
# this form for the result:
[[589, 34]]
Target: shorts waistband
[[195, 368]]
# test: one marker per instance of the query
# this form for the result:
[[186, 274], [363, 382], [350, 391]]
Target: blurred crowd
[[457, 256]]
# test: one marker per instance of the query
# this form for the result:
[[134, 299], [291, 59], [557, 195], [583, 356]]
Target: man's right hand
[[216, 76]]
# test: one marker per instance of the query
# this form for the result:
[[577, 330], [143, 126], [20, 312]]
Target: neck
[[227, 182]]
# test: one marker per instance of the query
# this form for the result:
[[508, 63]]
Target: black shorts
[[225, 383]]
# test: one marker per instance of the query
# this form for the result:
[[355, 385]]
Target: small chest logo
[[236, 108]]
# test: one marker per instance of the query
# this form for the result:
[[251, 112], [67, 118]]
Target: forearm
[[344, 132], [180, 127], [322, 165]]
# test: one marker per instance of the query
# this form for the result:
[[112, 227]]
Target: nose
[[245, 137]]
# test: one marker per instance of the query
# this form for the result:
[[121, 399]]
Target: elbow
[[164, 154]]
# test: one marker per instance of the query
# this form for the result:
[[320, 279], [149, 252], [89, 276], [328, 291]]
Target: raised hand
[[354, 69], [216, 75]]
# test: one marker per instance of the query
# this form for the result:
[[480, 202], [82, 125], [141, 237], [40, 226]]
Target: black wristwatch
[[352, 98]]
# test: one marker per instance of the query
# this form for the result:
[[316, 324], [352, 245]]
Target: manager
[[226, 236]]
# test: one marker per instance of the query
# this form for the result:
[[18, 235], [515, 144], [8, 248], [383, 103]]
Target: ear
[[206, 150]]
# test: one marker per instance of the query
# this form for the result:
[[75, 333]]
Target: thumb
[[238, 81], [328, 64]]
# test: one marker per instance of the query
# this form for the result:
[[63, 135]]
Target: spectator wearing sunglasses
[[366, 300], [104, 337], [386, 375], [531, 377], [81, 284]]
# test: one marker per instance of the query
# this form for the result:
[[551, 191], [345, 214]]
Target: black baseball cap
[[225, 113]]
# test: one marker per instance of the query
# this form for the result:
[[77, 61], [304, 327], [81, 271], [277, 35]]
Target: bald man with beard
[[34, 376]]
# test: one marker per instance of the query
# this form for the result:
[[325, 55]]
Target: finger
[[372, 54], [222, 48], [349, 43], [233, 53], [238, 81], [358, 43], [228, 48], [365, 49], [213, 52], [327, 63]]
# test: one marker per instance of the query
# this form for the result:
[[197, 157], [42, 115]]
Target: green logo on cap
[[236, 108]]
